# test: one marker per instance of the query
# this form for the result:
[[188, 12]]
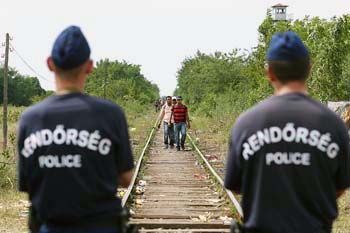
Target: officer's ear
[[272, 77], [50, 64], [89, 66]]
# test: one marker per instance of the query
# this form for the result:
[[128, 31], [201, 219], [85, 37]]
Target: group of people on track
[[288, 155], [175, 118]]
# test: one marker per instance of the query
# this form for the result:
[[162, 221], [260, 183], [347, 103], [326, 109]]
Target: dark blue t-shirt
[[72, 148], [288, 156]]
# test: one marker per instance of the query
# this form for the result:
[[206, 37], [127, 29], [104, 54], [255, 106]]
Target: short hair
[[69, 73], [168, 97], [286, 71]]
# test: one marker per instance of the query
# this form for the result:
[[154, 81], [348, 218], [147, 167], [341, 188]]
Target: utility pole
[[4, 116]]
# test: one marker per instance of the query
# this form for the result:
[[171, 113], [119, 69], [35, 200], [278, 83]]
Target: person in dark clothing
[[73, 149], [289, 154], [157, 105]]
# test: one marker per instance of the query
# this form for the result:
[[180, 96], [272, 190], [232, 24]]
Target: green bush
[[220, 83]]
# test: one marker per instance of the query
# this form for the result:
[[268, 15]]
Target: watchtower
[[279, 12]]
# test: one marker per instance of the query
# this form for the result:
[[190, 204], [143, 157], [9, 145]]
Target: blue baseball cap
[[70, 49], [179, 97], [286, 46]]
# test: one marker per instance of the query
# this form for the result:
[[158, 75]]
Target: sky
[[156, 34]]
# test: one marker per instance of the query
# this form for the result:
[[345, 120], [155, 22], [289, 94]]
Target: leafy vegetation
[[123, 83], [120, 82], [220, 84], [22, 90]]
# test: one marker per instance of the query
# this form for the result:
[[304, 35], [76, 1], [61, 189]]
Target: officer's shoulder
[[325, 112], [36, 110], [247, 117]]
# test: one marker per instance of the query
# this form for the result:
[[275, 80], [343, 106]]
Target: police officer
[[288, 155], [73, 149]]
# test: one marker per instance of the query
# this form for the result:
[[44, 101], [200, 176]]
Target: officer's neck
[[291, 87], [64, 86]]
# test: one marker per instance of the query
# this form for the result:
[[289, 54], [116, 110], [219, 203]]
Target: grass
[[212, 136], [13, 211], [342, 224], [139, 129], [13, 204], [8, 178]]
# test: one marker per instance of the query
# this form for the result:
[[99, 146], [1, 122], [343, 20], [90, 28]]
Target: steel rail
[[209, 166], [218, 178], [139, 162]]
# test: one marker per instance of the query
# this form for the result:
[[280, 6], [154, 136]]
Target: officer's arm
[[340, 193], [233, 174], [124, 179], [235, 160], [124, 158], [342, 178], [22, 166]]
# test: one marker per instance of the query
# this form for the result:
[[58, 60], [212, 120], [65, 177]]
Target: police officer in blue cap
[[74, 149], [288, 155]]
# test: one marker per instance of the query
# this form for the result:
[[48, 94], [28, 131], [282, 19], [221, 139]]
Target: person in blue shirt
[[73, 149], [289, 154]]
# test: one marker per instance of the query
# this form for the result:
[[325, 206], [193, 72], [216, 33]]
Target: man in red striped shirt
[[180, 114]]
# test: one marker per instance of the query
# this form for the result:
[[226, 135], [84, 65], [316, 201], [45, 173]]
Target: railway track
[[178, 191]]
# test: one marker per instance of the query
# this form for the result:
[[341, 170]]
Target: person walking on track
[[174, 103], [174, 100], [288, 155], [73, 149], [157, 105], [180, 114], [168, 128]]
